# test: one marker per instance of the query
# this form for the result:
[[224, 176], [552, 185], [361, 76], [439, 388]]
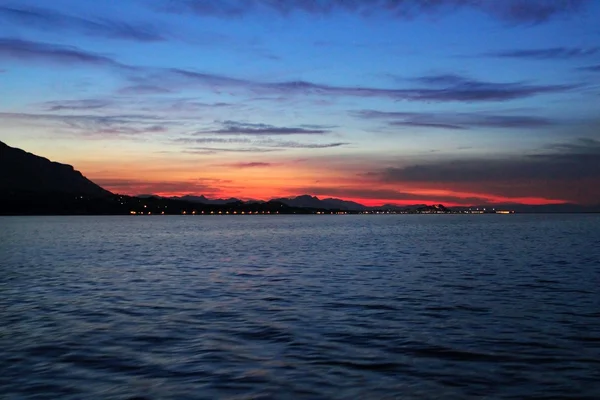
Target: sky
[[458, 102]]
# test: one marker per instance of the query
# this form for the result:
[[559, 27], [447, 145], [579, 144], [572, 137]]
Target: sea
[[300, 307]]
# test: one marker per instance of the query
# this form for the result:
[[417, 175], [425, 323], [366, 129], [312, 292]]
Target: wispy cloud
[[262, 144], [441, 88], [245, 128], [25, 50], [554, 53], [143, 90], [591, 68], [243, 165], [95, 125], [455, 121], [50, 20], [512, 11], [214, 150], [73, 105]]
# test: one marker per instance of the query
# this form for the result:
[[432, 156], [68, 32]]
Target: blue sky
[[378, 101]]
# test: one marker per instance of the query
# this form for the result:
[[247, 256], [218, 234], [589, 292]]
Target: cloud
[[554, 53], [85, 104], [267, 144], [248, 165], [591, 68], [560, 171], [16, 49], [95, 125], [244, 128], [578, 162], [451, 87], [455, 121], [438, 88], [49, 20], [441, 88], [532, 11], [297, 145], [512, 11], [144, 90], [215, 150]]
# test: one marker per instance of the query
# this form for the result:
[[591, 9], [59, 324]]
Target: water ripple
[[385, 307]]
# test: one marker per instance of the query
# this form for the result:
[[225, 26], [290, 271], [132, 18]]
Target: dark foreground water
[[354, 307]]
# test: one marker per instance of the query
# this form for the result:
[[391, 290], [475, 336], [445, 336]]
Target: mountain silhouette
[[26, 173], [308, 201], [203, 200]]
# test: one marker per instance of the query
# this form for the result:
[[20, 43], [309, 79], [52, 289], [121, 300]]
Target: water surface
[[398, 306]]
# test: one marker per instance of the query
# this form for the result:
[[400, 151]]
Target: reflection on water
[[446, 306]]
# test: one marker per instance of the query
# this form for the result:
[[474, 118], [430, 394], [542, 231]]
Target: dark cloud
[[571, 161], [45, 52], [562, 171], [243, 128], [512, 11], [455, 121], [547, 54], [50, 20]]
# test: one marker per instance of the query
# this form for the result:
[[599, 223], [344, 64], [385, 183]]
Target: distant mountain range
[[30, 184], [308, 201]]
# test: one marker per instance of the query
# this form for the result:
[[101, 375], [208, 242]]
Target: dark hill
[[25, 173]]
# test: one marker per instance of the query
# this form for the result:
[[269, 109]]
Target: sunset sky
[[449, 101]]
